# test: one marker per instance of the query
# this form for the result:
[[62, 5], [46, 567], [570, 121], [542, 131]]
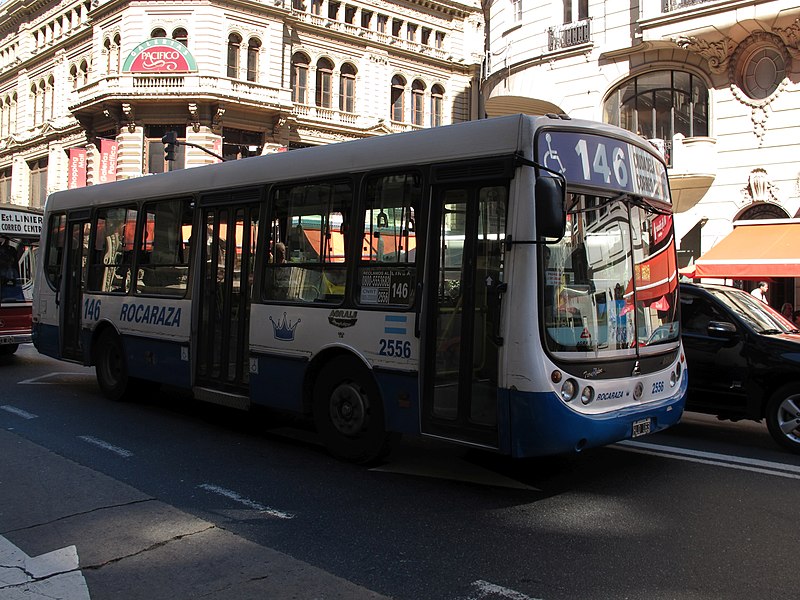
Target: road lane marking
[[486, 589], [51, 575], [18, 411], [106, 446], [712, 458], [230, 494], [60, 378]]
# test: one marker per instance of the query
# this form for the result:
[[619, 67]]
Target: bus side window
[[163, 255], [308, 243], [56, 236], [112, 258], [387, 265]]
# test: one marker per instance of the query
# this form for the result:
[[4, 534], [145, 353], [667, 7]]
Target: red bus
[[19, 240]]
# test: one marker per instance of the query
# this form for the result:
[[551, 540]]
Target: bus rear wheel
[[348, 412], [111, 366]]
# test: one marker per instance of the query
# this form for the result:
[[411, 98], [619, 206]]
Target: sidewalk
[[69, 532]]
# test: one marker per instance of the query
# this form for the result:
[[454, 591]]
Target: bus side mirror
[[551, 217]]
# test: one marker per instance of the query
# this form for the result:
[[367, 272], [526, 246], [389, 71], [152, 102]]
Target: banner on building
[[160, 55], [218, 147], [107, 169], [77, 168]]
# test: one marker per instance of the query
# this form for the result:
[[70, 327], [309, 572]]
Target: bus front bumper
[[542, 424]]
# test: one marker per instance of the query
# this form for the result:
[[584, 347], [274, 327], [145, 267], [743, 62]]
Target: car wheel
[[348, 412], [8, 349], [783, 417]]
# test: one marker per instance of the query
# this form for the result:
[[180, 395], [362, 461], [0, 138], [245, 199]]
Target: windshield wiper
[[771, 331]]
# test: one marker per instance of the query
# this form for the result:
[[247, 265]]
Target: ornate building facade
[[89, 88], [715, 84]]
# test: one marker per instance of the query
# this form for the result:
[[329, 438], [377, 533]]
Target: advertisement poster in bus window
[[386, 286]]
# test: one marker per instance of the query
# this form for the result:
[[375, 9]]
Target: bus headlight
[[569, 389], [587, 395], [676, 375]]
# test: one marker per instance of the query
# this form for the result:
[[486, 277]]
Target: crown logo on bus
[[284, 330]]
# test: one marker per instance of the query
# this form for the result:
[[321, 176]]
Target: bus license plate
[[642, 427]]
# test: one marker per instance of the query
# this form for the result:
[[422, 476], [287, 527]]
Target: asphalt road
[[169, 498]]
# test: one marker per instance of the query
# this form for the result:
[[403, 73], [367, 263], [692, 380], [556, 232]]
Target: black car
[[743, 359]]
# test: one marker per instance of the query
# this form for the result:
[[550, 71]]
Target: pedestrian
[[796, 318], [761, 291]]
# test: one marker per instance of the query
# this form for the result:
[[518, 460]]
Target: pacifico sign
[[160, 55]]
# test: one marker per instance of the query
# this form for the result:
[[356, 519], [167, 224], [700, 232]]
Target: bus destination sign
[[13, 222], [606, 162]]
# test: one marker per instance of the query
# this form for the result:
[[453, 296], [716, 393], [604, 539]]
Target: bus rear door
[[226, 285], [72, 285], [460, 371]]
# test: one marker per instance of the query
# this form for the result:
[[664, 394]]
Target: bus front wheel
[[111, 366], [348, 412]]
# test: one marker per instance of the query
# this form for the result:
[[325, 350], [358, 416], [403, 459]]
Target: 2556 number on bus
[[395, 348]]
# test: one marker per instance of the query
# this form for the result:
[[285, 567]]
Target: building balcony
[[370, 35], [569, 35], [178, 87], [693, 168], [309, 112]]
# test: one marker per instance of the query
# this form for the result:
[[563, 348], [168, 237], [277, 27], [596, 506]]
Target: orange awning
[[754, 250]]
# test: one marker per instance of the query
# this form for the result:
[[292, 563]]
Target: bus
[[19, 238], [508, 284]]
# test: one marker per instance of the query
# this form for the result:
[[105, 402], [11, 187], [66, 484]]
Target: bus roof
[[499, 136]]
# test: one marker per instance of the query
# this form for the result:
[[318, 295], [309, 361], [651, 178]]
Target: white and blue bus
[[508, 283]]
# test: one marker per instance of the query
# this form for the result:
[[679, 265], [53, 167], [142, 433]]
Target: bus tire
[[348, 412], [111, 366], [783, 417], [8, 349]]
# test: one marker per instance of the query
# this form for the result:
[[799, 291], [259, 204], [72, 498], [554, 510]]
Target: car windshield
[[610, 284], [761, 317]]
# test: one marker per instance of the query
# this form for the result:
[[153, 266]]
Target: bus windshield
[[610, 285], [16, 270]]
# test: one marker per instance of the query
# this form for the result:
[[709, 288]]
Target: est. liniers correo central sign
[[160, 55]]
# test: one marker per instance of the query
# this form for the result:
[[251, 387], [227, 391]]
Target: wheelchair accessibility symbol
[[551, 157]]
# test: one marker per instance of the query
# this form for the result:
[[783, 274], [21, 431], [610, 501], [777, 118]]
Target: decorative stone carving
[[759, 188], [194, 117], [128, 111], [717, 53]]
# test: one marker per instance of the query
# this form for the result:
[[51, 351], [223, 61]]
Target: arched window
[[347, 88], [437, 105], [398, 98], [73, 75], [324, 83], [116, 48], [35, 101], [50, 98], [253, 48], [107, 50], [43, 101], [418, 103], [660, 104], [234, 43], [181, 35], [83, 73], [300, 78], [158, 32]]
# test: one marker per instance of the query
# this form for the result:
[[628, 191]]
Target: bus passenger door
[[226, 285], [72, 286], [461, 329]]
